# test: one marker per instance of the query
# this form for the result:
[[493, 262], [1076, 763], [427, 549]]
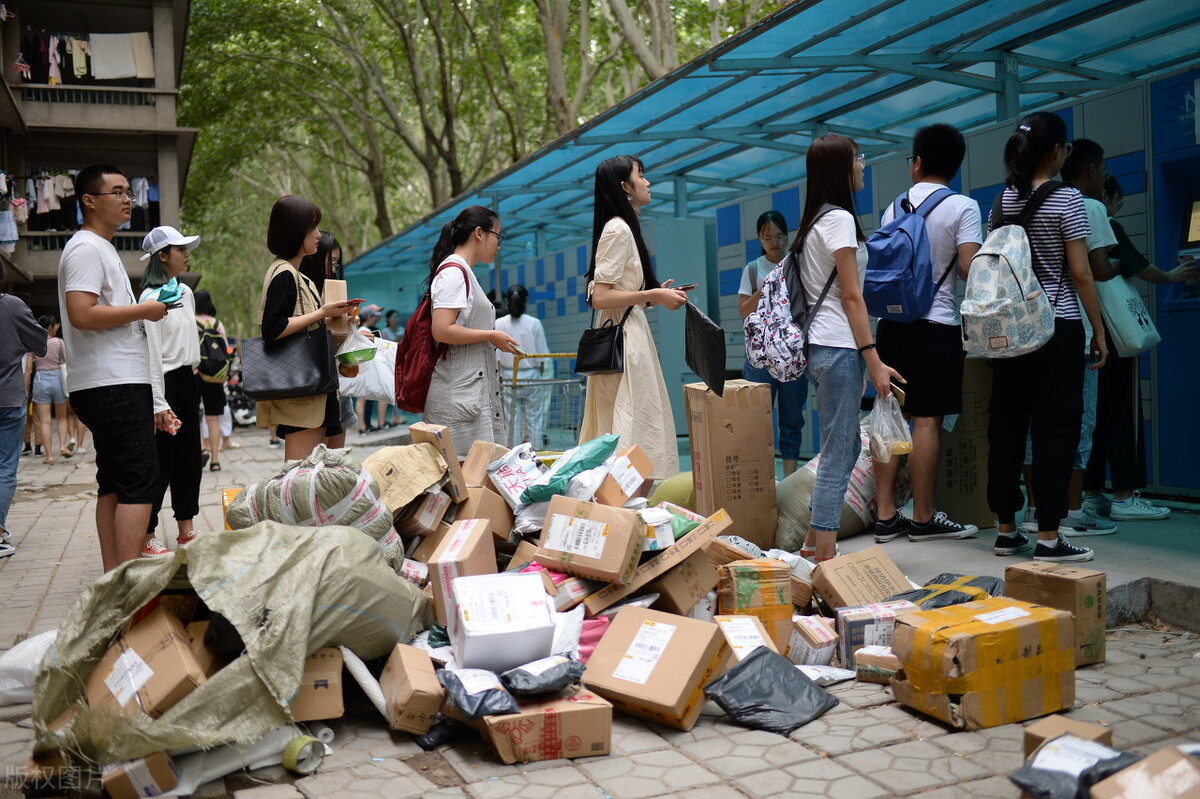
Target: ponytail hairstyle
[[1030, 144], [313, 266], [47, 321], [455, 234], [518, 298], [612, 201], [830, 166]]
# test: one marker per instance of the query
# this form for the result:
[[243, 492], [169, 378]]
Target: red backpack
[[417, 352]]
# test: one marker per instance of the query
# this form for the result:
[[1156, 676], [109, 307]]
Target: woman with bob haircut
[[621, 282], [290, 304], [830, 246], [464, 393]]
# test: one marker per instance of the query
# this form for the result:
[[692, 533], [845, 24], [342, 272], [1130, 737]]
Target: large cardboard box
[[427, 545], [961, 487], [682, 586], [733, 456], [576, 725], [589, 540], [1167, 774], [467, 550], [423, 514], [629, 471], [761, 588], [859, 578], [813, 641], [1080, 592], [744, 634], [868, 625], [152, 775], [482, 503], [148, 670], [693, 541], [439, 435], [474, 467], [655, 665], [1051, 727], [983, 664], [502, 621], [320, 695], [411, 690]]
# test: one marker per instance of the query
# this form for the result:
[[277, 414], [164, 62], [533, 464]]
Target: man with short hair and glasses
[[112, 388]]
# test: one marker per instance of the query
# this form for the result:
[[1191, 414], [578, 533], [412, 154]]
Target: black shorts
[[332, 422], [121, 419], [213, 397], [929, 356]]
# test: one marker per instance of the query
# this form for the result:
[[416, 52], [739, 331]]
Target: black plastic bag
[[952, 589], [765, 691], [444, 731], [476, 693], [543, 676], [704, 349], [1039, 781]]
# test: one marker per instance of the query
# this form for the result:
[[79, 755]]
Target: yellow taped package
[[983, 664], [760, 587]]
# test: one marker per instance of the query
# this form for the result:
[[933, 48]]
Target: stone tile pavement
[[1148, 691]]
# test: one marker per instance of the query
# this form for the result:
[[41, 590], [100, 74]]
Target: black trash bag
[[476, 693], [543, 676], [704, 349], [952, 589], [765, 691], [443, 731], [1047, 783]]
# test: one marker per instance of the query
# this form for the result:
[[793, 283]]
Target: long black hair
[[611, 200], [518, 298], [47, 320], [1034, 139], [204, 303], [456, 233], [313, 266], [830, 166]]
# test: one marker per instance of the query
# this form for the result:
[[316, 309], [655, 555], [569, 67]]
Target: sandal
[[47, 459], [66, 453], [811, 554], [214, 467]]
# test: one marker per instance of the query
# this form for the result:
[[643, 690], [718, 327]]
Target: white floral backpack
[[1005, 312]]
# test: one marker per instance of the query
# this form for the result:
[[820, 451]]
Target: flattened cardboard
[[320, 694], [440, 437], [655, 665], [1051, 727], [859, 578], [152, 775], [630, 469], [983, 664], [961, 487], [576, 725], [681, 587], [404, 473], [484, 504], [1166, 774], [1081, 592], [589, 540], [411, 690], [868, 625], [467, 550], [501, 621]]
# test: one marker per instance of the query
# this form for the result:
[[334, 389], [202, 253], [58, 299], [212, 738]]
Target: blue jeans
[[12, 425], [788, 399], [837, 375]]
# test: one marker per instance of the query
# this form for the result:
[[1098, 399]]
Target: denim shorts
[[48, 387]]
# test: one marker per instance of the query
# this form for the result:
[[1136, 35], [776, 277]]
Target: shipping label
[[476, 681], [539, 667], [628, 479], [1002, 615], [1071, 755], [644, 651], [742, 634], [499, 606], [583, 537], [129, 674]]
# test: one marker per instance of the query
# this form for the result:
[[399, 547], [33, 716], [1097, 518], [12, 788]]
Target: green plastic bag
[[587, 455]]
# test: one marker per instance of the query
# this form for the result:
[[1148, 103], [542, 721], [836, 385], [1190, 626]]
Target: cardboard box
[[320, 694], [572, 591], [961, 487], [744, 634], [629, 470], [474, 467], [759, 588], [983, 664], [335, 291], [1051, 727], [148, 670], [209, 660], [576, 725], [802, 592], [423, 514], [411, 690], [655, 665], [152, 775], [868, 625], [1080, 592], [812, 641], [859, 578], [484, 504], [589, 540], [1166, 774], [682, 586], [227, 497], [502, 621], [694, 541], [439, 436], [467, 550], [877, 664], [733, 456]]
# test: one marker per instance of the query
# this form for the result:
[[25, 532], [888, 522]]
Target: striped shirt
[[1061, 218], [53, 357]]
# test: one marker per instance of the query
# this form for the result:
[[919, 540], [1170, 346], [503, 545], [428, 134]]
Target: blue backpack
[[898, 284]]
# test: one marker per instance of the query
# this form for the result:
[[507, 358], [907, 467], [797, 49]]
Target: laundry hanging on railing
[[54, 57]]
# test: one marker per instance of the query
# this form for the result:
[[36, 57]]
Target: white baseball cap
[[166, 236]]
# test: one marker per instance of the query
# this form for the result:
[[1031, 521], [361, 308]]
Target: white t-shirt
[[834, 231], [449, 289], [95, 358], [530, 336], [955, 221], [1101, 235], [754, 274]]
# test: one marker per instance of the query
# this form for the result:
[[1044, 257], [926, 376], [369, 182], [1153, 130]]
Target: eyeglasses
[[499, 236], [860, 157], [780, 239], [910, 160], [121, 195]]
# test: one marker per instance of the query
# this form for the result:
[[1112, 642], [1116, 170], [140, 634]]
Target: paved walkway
[[1148, 691]]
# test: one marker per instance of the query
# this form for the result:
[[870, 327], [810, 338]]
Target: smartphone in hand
[[687, 286]]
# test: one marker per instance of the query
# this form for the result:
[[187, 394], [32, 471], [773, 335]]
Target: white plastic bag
[[19, 665], [889, 430], [356, 349], [376, 379]]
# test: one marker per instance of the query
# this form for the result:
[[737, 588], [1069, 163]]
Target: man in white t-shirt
[[108, 376], [928, 351]]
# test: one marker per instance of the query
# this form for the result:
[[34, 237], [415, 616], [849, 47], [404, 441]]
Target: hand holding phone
[[687, 286]]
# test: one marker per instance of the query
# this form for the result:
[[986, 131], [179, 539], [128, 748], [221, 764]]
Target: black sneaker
[[1011, 543], [1061, 551], [894, 527], [940, 526], [28, 450]]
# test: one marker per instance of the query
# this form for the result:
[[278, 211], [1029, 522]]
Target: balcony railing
[[92, 95], [46, 241]]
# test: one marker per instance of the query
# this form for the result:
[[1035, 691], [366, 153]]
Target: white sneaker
[[81, 450], [7, 550], [1136, 509], [1086, 523]]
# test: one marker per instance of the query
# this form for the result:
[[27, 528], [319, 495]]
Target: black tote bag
[[601, 350], [297, 366], [704, 351]]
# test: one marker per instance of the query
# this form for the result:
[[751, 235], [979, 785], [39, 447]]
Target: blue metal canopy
[[739, 118]]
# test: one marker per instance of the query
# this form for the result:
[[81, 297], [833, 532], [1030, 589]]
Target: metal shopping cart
[[546, 407]]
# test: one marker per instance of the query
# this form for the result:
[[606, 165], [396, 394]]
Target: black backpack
[[214, 354]]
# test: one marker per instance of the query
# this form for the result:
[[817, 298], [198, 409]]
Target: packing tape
[[303, 754]]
